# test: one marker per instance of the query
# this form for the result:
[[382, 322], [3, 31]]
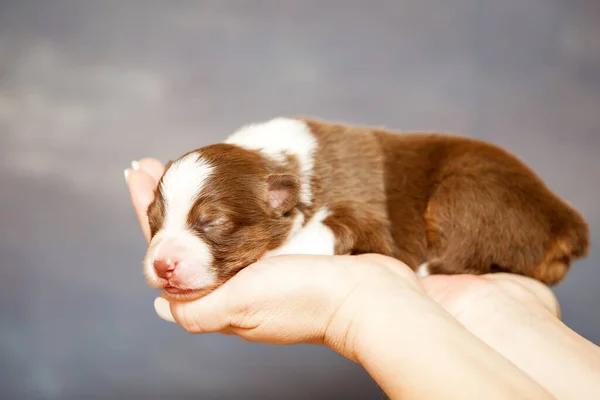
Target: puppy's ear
[[283, 192]]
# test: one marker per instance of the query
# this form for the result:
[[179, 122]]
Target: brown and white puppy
[[442, 204]]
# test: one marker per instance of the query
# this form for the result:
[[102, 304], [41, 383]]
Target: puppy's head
[[216, 210]]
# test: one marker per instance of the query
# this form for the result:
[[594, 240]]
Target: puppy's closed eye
[[206, 223]]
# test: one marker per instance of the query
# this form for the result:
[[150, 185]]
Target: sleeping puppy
[[442, 204]]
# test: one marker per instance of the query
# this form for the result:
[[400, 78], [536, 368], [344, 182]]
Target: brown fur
[[460, 204], [463, 205]]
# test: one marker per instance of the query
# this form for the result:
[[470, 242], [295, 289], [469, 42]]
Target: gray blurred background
[[88, 86]]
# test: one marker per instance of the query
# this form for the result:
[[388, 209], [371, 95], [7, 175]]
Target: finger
[[141, 189], [205, 315], [152, 167], [163, 309]]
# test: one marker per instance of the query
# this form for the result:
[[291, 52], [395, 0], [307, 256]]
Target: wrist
[[408, 343], [414, 349], [518, 318], [370, 294], [541, 345]]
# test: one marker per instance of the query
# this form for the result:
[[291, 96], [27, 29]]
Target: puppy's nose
[[164, 267]]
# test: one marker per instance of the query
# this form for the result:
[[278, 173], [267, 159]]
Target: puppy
[[442, 204]]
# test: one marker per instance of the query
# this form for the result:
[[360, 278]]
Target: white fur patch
[[423, 270], [181, 185], [314, 238], [278, 137]]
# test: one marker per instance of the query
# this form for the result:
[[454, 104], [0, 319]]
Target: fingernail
[[135, 165], [126, 173], [162, 308]]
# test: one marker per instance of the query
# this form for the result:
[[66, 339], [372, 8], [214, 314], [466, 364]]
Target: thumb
[[205, 315]]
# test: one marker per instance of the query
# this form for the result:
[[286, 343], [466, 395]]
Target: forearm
[[415, 350], [537, 342]]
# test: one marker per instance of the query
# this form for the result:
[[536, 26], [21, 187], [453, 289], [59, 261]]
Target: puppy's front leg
[[313, 238], [342, 228]]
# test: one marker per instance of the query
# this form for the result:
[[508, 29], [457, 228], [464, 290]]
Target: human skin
[[467, 334], [520, 319]]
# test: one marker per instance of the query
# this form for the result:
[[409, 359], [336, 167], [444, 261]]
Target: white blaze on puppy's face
[[183, 259]]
